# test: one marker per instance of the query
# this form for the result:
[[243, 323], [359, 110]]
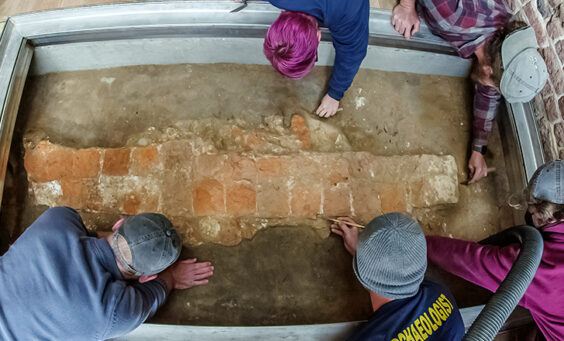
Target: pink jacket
[[487, 266]]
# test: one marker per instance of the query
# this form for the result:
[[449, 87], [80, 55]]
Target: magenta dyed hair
[[291, 44]]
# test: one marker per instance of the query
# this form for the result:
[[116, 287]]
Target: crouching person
[[389, 260], [60, 283]]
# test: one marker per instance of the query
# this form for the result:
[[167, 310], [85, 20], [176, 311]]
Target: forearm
[[483, 265], [486, 104], [407, 3], [167, 280]]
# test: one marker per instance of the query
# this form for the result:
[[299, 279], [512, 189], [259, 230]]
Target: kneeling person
[[61, 283], [389, 260]]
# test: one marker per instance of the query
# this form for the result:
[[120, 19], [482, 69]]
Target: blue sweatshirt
[[348, 22], [58, 283]]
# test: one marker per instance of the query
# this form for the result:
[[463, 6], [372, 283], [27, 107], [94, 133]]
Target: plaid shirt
[[467, 24]]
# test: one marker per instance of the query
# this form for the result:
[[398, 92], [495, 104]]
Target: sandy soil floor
[[283, 275]]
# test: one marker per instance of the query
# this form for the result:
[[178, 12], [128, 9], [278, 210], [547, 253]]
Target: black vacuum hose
[[513, 287]]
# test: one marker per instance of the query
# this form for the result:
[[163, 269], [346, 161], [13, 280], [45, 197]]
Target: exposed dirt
[[384, 113]]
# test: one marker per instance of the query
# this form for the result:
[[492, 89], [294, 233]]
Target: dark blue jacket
[[348, 22], [430, 315]]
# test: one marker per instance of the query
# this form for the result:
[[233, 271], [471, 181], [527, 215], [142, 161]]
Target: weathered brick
[[337, 201], [550, 107], [236, 132], [273, 199], [393, 197], [240, 199], [307, 166], [272, 167], [306, 199], [135, 203], [559, 133], [221, 230], [144, 160], [366, 201], [47, 162], [535, 20], [336, 171], [176, 193], [547, 138], [242, 168], [176, 155], [85, 163], [544, 8], [554, 69], [212, 166], [242, 193], [559, 47], [555, 27], [254, 140], [300, 129], [209, 198], [80, 193], [116, 161]]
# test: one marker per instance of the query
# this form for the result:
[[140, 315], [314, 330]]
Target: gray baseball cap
[[524, 73], [146, 244], [548, 181], [391, 256]]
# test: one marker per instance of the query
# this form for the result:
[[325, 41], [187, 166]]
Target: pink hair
[[291, 44]]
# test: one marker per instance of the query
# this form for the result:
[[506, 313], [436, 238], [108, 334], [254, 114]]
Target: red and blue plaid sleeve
[[486, 104]]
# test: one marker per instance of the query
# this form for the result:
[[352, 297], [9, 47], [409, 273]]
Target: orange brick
[[240, 199], [176, 194], [272, 167], [131, 204], [273, 200], [393, 198], [116, 161], [80, 194], [86, 163], [212, 166], [335, 171], [144, 160], [176, 154], [208, 198], [336, 201], [366, 201], [135, 203], [242, 168], [300, 129], [306, 200], [236, 132], [254, 140], [48, 162]]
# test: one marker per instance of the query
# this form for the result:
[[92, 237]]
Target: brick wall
[[224, 196], [547, 19]]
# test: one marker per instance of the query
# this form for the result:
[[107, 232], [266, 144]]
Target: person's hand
[[405, 20], [477, 167], [349, 233], [328, 107], [187, 273]]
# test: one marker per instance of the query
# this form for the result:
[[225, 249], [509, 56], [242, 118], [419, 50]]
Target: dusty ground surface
[[302, 276]]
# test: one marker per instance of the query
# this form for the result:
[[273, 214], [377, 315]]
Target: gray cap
[[391, 256], [524, 73], [146, 243], [547, 182]]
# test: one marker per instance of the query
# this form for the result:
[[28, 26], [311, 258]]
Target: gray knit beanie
[[391, 256]]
